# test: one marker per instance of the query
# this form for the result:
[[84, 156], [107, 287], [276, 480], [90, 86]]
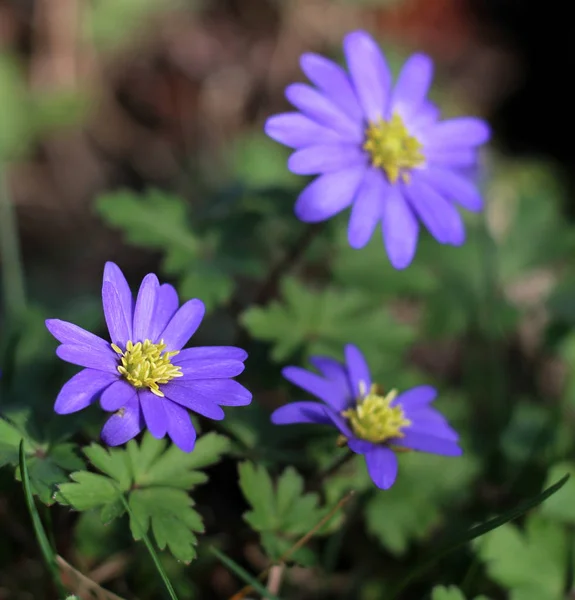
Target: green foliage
[[532, 564], [561, 506], [281, 513], [155, 480], [450, 593], [413, 506]]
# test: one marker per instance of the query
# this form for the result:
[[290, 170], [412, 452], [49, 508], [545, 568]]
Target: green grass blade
[[48, 552], [243, 574], [151, 550]]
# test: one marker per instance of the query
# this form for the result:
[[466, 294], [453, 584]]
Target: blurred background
[[132, 131]]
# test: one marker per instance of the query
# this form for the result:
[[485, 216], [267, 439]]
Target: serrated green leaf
[[450, 593], [90, 490], [561, 506], [143, 455], [257, 487], [172, 519], [10, 438], [113, 462]]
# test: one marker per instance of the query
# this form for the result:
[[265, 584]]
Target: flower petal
[[412, 85], [451, 158], [145, 307], [123, 425], [319, 108], [166, 306], [429, 443], [183, 324], [326, 158], [119, 394], [212, 352], [328, 195], [367, 208], [425, 116], [296, 130], [208, 368], [68, 333], [400, 230], [81, 390], [225, 392], [339, 422], [369, 72], [417, 397], [382, 466], [358, 370], [300, 412], [333, 81], [438, 215], [454, 187], [154, 413], [458, 133], [331, 392], [360, 446], [184, 396], [90, 357], [118, 327], [180, 427], [335, 372], [114, 275]]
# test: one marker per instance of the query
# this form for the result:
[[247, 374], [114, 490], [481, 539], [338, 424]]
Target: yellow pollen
[[392, 148], [373, 419], [146, 364]]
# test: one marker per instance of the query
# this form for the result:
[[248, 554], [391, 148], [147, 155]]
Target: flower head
[[379, 148], [143, 376], [371, 422]]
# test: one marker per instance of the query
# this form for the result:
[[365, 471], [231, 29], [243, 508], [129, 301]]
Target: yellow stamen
[[373, 419], [392, 148], [145, 364]]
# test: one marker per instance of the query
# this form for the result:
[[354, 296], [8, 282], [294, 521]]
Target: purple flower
[[371, 423], [380, 149], [144, 377]]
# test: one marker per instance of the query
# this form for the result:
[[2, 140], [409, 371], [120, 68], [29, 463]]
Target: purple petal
[[68, 333], [425, 116], [226, 392], [206, 407], [454, 187], [433, 427], [382, 466], [336, 372], [331, 392], [369, 72], [154, 413], [81, 390], [367, 208], [319, 108], [118, 327], [119, 394], [212, 352], [180, 427], [412, 85], [301, 412], [90, 357], [328, 195], [400, 230], [333, 81], [458, 133], [417, 397], [296, 131], [211, 369], [438, 215], [123, 425], [166, 306], [114, 275], [358, 370], [326, 158], [339, 422], [145, 307], [428, 443], [360, 446], [451, 158], [183, 324]]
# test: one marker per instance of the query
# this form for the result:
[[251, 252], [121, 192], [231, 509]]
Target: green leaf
[[90, 490], [257, 487], [530, 564], [113, 462], [413, 506], [561, 506], [450, 593], [173, 520]]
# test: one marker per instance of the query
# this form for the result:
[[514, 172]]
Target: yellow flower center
[[145, 364], [374, 419], [392, 148]]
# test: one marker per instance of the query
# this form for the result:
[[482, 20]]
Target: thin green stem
[[12, 269]]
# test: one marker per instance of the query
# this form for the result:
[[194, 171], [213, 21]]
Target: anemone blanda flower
[[144, 377], [371, 423], [379, 148]]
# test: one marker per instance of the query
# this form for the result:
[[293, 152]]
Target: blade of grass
[[151, 549], [48, 552], [243, 574], [478, 531]]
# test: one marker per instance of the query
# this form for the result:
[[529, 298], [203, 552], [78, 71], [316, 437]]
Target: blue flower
[[143, 376], [379, 148], [374, 424]]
